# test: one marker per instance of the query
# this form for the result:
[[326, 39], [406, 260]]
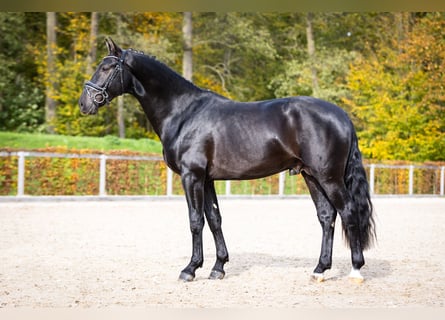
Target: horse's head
[[111, 79]]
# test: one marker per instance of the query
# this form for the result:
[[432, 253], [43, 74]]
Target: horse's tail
[[357, 185]]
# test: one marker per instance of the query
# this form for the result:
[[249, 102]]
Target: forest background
[[385, 69]]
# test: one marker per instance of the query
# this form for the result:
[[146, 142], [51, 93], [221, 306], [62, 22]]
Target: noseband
[[99, 94]]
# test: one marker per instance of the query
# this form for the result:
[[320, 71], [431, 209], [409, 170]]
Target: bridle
[[99, 94]]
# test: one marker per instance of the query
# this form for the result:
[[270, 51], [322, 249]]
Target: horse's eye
[[105, 67]]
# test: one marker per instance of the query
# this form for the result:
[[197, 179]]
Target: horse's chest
[[171, 159], [184, 153]]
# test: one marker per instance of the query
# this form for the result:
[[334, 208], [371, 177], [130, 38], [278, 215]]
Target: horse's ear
[[113, 49]]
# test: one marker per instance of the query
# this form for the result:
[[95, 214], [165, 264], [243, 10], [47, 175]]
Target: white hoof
[[356, 276], [318, 277]]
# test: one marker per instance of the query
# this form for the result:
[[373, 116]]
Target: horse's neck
[[166, 93]]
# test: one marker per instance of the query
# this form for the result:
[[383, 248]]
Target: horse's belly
[[242, 168]]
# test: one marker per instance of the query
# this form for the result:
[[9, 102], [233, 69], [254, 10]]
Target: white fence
[[22, 155]]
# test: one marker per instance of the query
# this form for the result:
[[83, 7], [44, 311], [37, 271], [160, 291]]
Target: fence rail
[[374, 171]]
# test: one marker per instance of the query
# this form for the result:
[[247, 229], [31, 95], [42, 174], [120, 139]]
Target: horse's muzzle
[[87, 105]]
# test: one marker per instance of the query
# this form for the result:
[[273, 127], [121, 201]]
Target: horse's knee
[[196, 224]]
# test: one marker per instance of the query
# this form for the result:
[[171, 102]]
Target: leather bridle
[[99, 94]]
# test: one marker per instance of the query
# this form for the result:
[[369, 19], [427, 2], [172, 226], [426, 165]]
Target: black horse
[[207, 137]]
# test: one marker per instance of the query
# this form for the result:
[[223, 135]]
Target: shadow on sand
[[243, 262]]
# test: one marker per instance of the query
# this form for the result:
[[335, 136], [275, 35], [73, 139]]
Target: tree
[[21, 95], [321, 73], [51, 85], [92, 54], [70, 75], [120, 99], [236, 56], [311, 52], [397, 95], [187, 62]]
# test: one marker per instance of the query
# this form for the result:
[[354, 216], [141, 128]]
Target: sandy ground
[[130, 253]]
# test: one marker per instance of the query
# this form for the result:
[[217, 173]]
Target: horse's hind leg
[[213, 217], [326, 215], [340, 198]]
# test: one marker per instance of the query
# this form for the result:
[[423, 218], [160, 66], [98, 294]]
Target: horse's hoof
[[356, 277], [317, 277], [186, 277], [217, 275]]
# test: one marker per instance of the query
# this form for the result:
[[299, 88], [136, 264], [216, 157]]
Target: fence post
[[372, 178], [103, 175], [228, 191], [411, 180], [442, 181], [281, 182], [169, 182], [21, 174]]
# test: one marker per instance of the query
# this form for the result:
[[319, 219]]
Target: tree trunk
[[187, 62], [403, 27], [120, 99], [51, 43], [121, 116], [311, 52], [92, 54]]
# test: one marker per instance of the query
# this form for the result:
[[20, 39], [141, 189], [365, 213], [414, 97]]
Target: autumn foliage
[[397, 97], [385, 69]]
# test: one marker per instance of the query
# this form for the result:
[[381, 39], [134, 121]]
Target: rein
[[99, 94]]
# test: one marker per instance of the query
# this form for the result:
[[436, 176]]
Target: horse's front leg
[[193, 185], [213, 217]]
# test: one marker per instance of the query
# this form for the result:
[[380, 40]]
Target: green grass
[[35, 141]]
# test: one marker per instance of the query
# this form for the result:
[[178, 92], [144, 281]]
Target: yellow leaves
[[77, 29], [156, 23], [395, 96], [210, 84]]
